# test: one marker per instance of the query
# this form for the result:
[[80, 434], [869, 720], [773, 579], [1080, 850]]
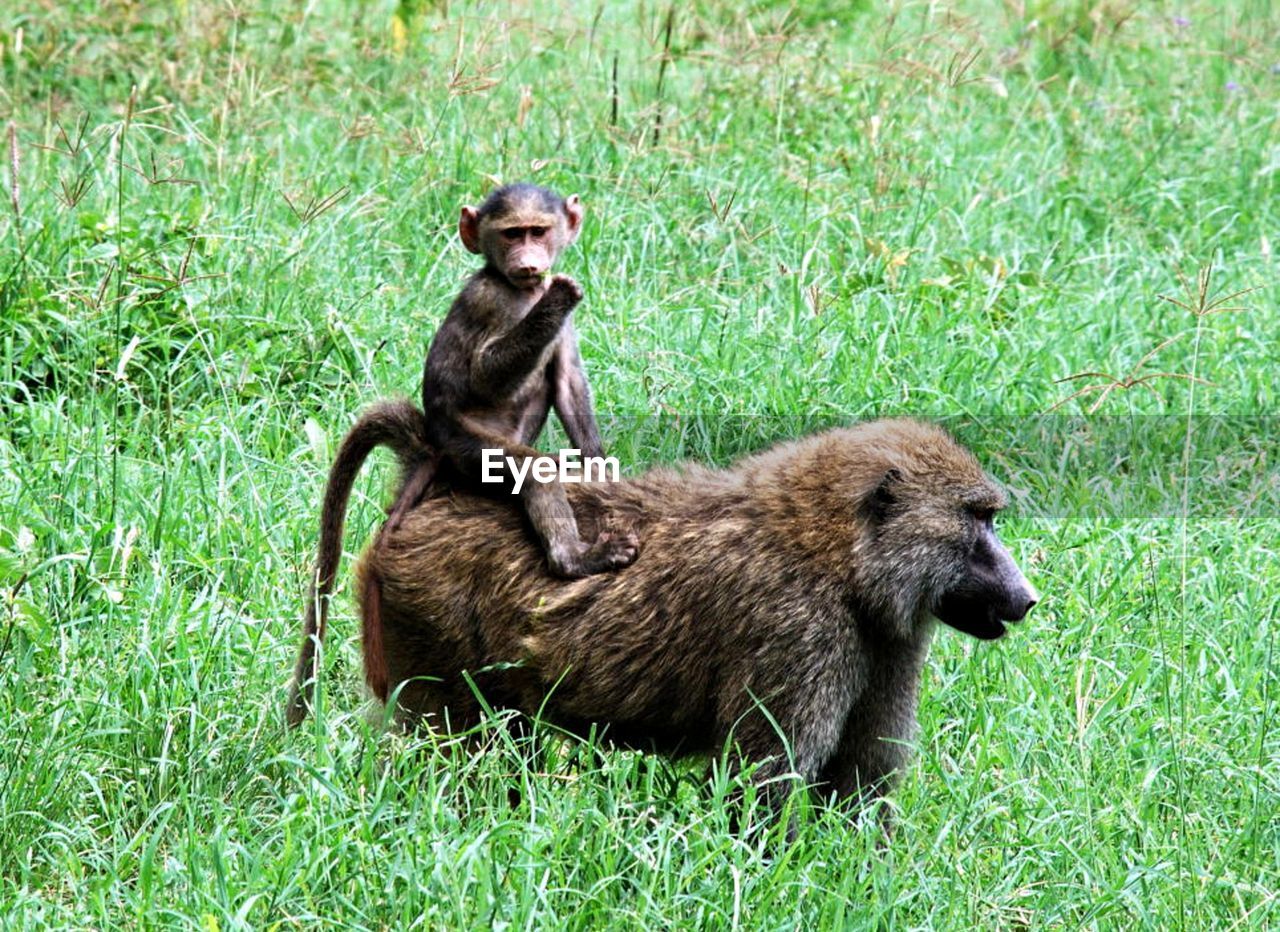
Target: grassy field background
[[232, 225]]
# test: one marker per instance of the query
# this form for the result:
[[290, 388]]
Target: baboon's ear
[[469, 229], [573, 215], [885, 494]]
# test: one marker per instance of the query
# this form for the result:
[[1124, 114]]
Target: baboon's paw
[[563, 291], [614, 551]]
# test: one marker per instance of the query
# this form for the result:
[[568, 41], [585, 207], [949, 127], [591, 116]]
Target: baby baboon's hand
[[563, 293]]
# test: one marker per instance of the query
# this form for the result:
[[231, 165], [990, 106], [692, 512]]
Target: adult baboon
[[803, 581]]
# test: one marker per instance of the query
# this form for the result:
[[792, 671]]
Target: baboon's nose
[[1024, 602]]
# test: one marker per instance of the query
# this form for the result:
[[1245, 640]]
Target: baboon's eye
[[537, 232], [513, 233], [983, 515]]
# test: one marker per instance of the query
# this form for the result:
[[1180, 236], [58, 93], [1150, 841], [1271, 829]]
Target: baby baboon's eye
[[537, 232], [513, 233]]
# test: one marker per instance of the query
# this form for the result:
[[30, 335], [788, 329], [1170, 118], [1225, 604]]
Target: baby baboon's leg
[[550, 513]]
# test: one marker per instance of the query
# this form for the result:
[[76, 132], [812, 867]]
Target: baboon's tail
[[402, 427]]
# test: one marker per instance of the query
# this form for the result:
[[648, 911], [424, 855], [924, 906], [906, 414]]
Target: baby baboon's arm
[[502, 364]]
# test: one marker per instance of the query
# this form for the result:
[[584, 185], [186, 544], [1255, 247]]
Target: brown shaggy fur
[[801, 580]]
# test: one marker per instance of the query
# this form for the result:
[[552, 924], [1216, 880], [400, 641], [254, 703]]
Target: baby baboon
[[802, 581], [505, 355]]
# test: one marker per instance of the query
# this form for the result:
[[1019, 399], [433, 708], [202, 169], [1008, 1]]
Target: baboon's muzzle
[[993, 593]]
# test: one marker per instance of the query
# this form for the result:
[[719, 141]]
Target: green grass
[[233, 227]]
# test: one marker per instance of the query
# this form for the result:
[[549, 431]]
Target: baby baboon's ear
[[573, 216], [885, 494], [469, 229]]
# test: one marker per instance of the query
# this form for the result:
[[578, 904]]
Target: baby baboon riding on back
[[505, 355]]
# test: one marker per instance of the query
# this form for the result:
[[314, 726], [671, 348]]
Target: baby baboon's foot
[[609, 552], [612, 552]]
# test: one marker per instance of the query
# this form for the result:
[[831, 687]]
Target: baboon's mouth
[[976, 619], [984, 629]]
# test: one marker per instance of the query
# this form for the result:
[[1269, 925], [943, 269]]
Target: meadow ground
[[232, 226]]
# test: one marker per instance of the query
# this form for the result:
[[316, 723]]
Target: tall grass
[[231, 226]]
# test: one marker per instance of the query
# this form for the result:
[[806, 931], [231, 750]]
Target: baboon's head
[[987, 589], [931, 516], [520, 229]]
